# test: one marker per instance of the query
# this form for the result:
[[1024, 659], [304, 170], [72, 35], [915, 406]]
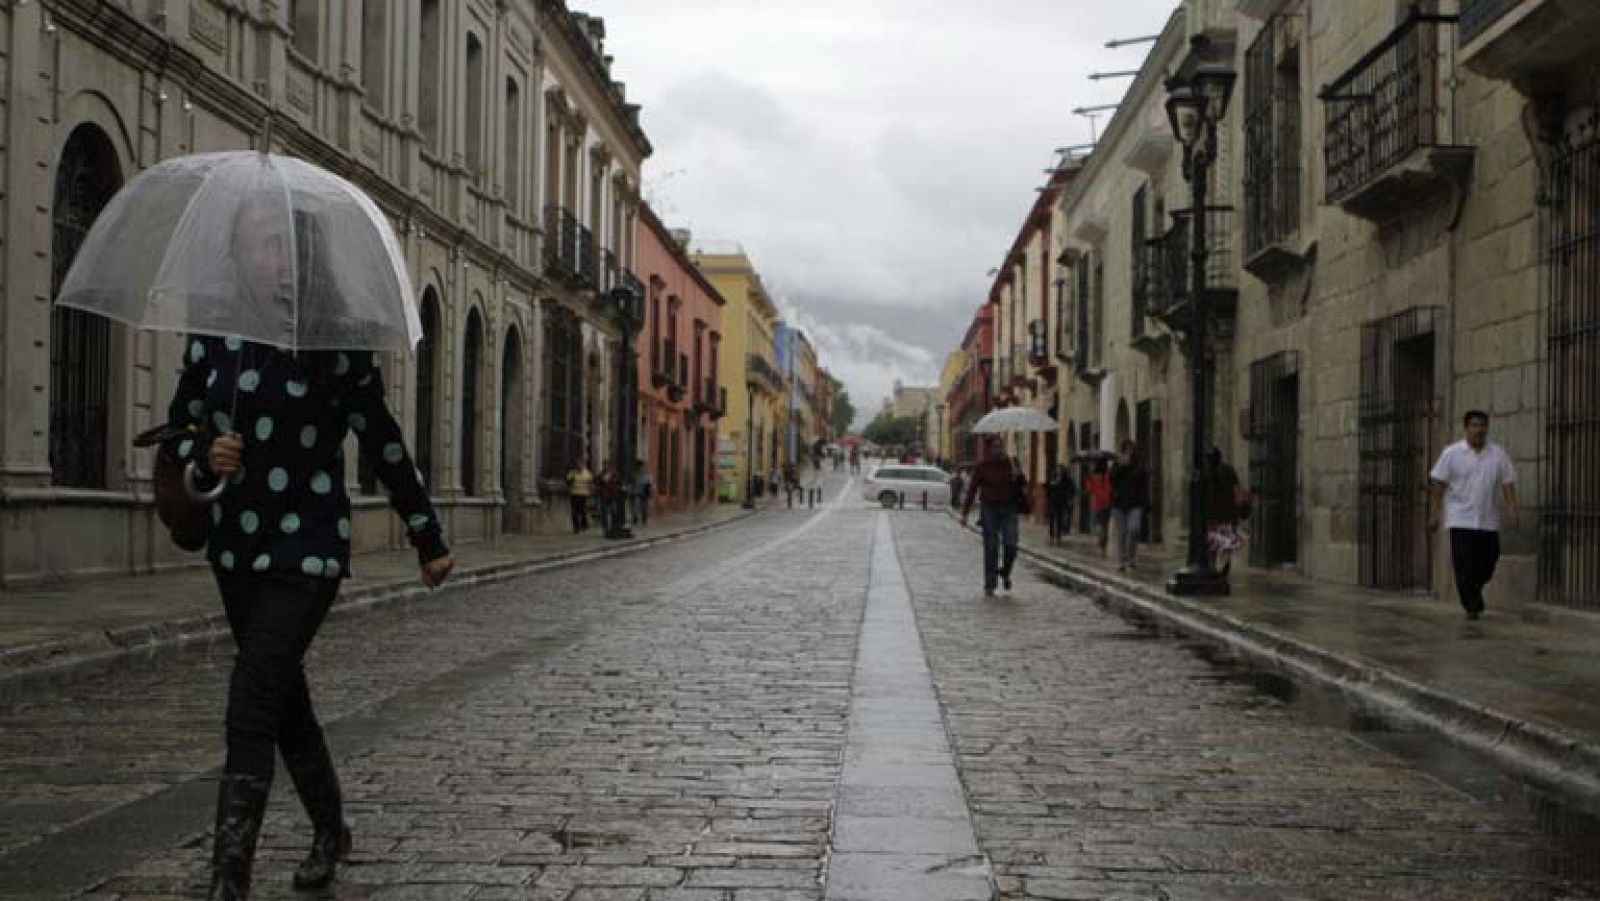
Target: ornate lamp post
[[1194, 108], [627, 306]]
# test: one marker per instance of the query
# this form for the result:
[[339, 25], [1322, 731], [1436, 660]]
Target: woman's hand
[[435, 571], [225, 454]]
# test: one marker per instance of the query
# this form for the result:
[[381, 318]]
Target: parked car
[[885, 484]]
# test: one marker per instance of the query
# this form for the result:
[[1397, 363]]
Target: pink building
[[680, 400]]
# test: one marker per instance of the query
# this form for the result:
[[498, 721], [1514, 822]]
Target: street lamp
[[1194, 108], [627, 306]]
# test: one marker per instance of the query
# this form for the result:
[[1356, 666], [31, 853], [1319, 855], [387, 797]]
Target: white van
[[886, 484]]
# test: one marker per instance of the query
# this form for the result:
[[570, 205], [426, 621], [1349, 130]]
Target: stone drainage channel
[[902, 827]]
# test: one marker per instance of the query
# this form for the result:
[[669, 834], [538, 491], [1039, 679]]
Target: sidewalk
[[65, 624], [1520, 686]]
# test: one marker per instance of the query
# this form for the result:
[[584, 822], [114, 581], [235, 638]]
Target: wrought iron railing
[[763, 372], [1172, 260], [588, 259], [1569, 552], [610, 274], [561, 239], [1272, 140], [1478, 15], [1398, 98]]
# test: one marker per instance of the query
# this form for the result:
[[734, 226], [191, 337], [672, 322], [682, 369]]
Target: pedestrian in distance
[[644, 486], [1097, 487], [608, 488], [1059, 494], [1227, 502], [1000, 488], [957, 481], [1466, 480], [271, 424], [580, 485], [1130, 497]]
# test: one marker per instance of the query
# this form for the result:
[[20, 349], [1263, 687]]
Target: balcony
[[1391, 124], [561, 242], [1272, 150], [762, 374], [1534, 42], [1171, 265], [662, 369], [588, 258], [610, 273]]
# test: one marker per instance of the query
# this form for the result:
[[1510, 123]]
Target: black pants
[[273, 618], [1060, 519], [1474, 553], [580, 512]]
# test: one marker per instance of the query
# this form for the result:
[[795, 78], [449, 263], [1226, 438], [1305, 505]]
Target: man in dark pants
[[1465, 479], [1001, 486]]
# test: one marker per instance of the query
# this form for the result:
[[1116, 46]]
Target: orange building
[[680, 397]]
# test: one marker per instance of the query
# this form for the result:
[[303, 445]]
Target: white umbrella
[[1014, 419], [268, 248]]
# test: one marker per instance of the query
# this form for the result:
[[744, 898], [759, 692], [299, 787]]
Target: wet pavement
[[750, 716]]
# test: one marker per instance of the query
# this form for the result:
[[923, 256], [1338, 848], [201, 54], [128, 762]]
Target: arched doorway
[[471, 377], [513, 421], [80, 343], [427, 375]]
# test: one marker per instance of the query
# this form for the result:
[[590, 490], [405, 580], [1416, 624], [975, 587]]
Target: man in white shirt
[[1465, 479]]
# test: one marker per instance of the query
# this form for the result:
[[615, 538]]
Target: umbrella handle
[[191, 486]]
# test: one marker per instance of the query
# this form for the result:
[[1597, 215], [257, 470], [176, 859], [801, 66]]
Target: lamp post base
[[1197, 582]]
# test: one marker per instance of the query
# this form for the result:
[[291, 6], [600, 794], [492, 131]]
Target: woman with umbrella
[[249, 252]]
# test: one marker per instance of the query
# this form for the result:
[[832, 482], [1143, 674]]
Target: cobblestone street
[[681, 725]]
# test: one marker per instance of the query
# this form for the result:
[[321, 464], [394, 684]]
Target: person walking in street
[[644, 487], [1465, 481], [608, 487], [1097, 487], [1226, 502], [1059, 493], [270, 424], [580, 485], [1130, 497], [957, 482], [1001, 487]]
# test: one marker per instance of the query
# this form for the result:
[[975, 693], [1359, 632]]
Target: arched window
[[305, 27], [474, 103], [512, 412], [375, 53], [428, 77], [427, 376], [471, 376], [80, 343], [513, 161]]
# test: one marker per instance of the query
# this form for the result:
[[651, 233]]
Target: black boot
[[318, 786], [241, 804]]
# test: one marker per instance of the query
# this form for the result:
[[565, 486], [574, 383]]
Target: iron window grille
[[1272, 135], [1139, 260], [561, 240], [1397, 417], [1273, 431], [1398, 98], [1569, 555]]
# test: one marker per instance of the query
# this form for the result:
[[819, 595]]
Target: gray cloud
[[875, 157]]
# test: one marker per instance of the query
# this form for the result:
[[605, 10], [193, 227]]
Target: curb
[[75, 654], [1540, 755]]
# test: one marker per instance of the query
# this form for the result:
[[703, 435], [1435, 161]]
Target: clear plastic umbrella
[[269, 248], [1014, 419]]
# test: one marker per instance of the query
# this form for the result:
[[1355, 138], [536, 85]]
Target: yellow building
[[757, 401], [940, 445]]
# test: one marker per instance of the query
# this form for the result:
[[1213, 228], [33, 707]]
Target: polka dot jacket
[[287, 510]]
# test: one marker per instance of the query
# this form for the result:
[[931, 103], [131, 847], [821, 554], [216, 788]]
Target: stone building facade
[[1401, 224], [758, 395], [492, 135]]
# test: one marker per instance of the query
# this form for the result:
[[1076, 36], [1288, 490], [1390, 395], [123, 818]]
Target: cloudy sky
[[874, 157]]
